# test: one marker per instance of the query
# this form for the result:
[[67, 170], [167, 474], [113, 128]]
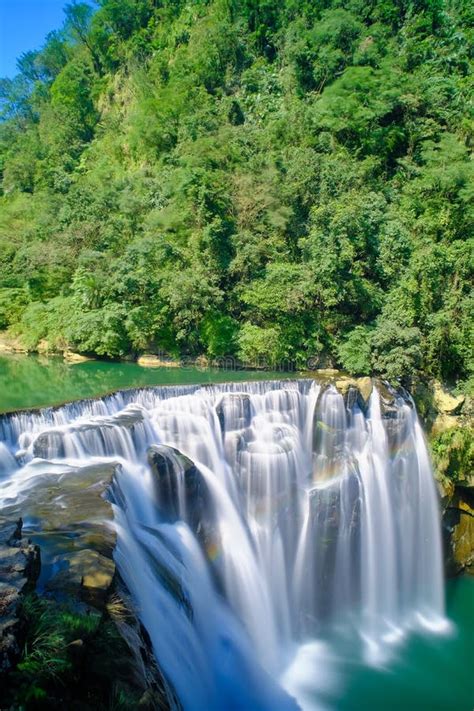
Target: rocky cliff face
[[19, 570], [449, 424], [71, 597]]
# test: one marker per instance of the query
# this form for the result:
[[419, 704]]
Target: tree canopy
[[279, 181]]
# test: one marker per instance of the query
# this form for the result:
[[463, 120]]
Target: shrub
[[355, 351]]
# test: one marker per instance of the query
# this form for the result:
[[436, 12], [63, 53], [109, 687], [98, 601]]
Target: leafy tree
[[261, 347], [77, 26], [396, 349], [355, 351]]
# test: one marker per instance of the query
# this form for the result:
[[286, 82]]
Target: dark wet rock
[[69, 515], [388, 394], [356, 391], [70, 500], [149, 701], [336, 509], [20, 565], [87, 575], [181, 490], [49, 445], [128, 418], [19, 558], [234, 411], [182, 494], [395, 417], [17, 533], [353, 399], [141, 671], [458, 531]]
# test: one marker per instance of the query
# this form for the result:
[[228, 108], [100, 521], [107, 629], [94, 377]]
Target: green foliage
[[321, 53], [46, 661], [453, 453], [99, 331], [218, 334], [12, 305], [71, 97], [261, 346], [396, 349], [66, 659], [278, 181], [355, 351], [45, 320]]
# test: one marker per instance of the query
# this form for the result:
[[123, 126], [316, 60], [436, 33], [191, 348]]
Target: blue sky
[[24, 25]]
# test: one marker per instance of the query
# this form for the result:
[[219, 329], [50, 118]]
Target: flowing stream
[[266, 519]]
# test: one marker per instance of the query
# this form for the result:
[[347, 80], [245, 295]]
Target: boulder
[[20, 566], [149, 360], [10, 344], [69, 515], [49, 445], [87, 575], [344, 384], [182, 494], [395, 419], [20, 561], [458, 529], [446, 403], [180, 488], [365, 385], [362, 385], [44, 347], [72, 357], [234, 411]]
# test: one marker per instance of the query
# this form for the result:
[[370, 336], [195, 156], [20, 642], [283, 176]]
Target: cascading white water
[[315, 514]]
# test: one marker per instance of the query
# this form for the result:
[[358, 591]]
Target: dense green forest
[[275, 180]]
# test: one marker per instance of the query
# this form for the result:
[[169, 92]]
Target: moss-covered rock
[[448, 421], [458, 527], [66, 660], [87, 575], [362, 385], [446, 402], [20, 566], [453, 455], [69, 516]]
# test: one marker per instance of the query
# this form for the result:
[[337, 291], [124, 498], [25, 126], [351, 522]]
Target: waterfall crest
[[251, 519]]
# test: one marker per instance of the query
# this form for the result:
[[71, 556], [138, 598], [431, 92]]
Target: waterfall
[[253, 519]]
